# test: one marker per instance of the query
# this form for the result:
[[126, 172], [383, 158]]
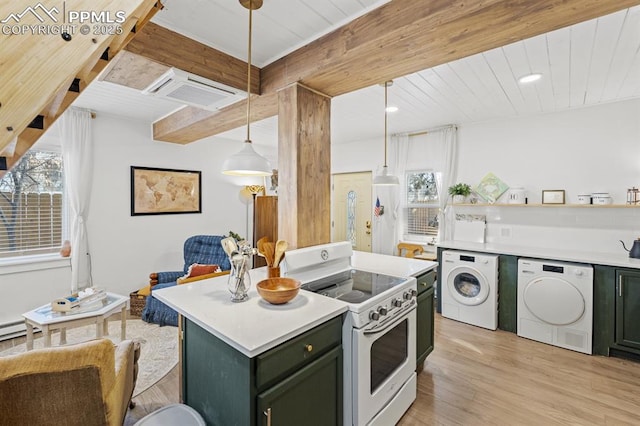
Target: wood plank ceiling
[[46, 64], [591, 62], [391, 41], [476, 88]]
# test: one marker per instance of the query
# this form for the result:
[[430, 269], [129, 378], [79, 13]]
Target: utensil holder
[[273, 271]]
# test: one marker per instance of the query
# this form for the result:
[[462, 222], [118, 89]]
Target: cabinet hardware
[[620, 285], [423, 284], [268, 414], [308, 348]]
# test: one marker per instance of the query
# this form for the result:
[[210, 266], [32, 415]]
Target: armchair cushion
[[82, 384]]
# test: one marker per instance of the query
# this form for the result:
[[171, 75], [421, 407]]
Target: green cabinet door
[[508, 293], [628, 308], [424, 344], [311, 397]]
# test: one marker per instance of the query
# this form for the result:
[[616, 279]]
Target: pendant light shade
[[248, 162], [385, 178]]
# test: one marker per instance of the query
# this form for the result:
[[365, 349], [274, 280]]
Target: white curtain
[[445, 178], [77, 152]]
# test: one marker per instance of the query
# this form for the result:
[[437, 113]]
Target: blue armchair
[[202, 249]]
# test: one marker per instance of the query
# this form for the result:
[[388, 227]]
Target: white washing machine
[[555, 303], [470, 288]]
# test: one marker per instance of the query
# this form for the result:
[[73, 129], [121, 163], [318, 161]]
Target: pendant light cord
[[249, 76], [385, 123]]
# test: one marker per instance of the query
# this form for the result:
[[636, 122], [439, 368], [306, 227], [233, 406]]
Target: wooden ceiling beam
[[191, 124], [399, 38], [175, 50]]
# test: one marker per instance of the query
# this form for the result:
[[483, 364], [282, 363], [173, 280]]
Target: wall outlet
[[505, 232]]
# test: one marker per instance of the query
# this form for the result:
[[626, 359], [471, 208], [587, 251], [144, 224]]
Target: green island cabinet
[[298, 382], [425, 313], [616, 324]]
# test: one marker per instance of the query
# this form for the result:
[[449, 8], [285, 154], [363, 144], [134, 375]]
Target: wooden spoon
[[269, 249], [281, 247], [260, 245]]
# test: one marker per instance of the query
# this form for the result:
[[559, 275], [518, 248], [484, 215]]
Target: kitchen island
[[245, 363]]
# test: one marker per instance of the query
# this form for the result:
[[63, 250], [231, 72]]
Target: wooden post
[[304, 167]]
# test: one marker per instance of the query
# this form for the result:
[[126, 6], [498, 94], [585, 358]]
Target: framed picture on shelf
[[553, 196], [165, 191]]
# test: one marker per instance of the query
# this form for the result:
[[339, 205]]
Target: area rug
[[158, 353]]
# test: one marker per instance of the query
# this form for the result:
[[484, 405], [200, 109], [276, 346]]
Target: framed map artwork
[[165, 191]]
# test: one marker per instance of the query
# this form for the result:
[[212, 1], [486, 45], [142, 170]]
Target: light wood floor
[[481, 377]]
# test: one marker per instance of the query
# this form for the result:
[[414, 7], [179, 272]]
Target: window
[[31, 205], [421, 205]]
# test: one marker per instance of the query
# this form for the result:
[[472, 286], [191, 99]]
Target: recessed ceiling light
[[392, 108], [529, 78]]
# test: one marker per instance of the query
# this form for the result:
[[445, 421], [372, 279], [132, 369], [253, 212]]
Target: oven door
[[382, 361]]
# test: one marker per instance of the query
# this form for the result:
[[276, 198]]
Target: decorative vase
[[239, 281]]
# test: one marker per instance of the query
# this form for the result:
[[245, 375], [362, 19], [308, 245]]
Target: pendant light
[[385, 178], [248, 162]]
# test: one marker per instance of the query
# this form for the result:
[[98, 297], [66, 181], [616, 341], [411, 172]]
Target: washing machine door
[[467, 286], [554, 301]]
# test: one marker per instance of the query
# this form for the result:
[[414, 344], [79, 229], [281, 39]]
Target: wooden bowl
[[278, 290]]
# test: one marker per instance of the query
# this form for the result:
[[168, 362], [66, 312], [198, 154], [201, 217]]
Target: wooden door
[[266, 223], [351, 209]]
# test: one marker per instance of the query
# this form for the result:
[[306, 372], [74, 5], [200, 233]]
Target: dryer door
[[554, 301], [467, 286]]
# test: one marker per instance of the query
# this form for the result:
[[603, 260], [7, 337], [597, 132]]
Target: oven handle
[[392, 323]]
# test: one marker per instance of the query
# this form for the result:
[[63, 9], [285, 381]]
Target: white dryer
[[555, 303], [470, 288]]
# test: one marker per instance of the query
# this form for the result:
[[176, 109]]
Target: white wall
[[125, 248], [587, 150]]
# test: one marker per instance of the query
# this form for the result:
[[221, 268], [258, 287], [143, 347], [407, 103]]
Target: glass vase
[[239, 280]]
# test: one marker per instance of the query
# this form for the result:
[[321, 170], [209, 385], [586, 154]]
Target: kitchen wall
[[595, 149], [124, 248]]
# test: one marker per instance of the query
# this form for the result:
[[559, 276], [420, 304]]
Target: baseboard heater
[[12, 330]]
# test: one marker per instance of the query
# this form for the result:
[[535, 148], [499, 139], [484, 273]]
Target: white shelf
[[587, 206]]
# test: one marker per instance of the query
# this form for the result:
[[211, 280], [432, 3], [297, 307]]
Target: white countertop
[[255, 326], [390, 265], [592, 257]]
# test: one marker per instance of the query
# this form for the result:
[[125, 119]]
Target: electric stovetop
[[353, 286]]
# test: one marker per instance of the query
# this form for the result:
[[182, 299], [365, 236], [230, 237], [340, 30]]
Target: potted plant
[[459, 191]]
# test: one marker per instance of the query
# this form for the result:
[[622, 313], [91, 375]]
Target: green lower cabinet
[[508, 293], [308, 397], [425, 313], [628, 308], [300, 381]]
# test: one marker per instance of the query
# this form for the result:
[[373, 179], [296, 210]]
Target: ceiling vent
[[180, 86]]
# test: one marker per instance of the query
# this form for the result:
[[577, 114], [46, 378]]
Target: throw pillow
[[197, 269]]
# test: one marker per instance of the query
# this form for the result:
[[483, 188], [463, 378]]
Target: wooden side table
[[96, 313]]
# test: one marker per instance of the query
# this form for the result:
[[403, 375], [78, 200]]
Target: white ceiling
[[586, 64]]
